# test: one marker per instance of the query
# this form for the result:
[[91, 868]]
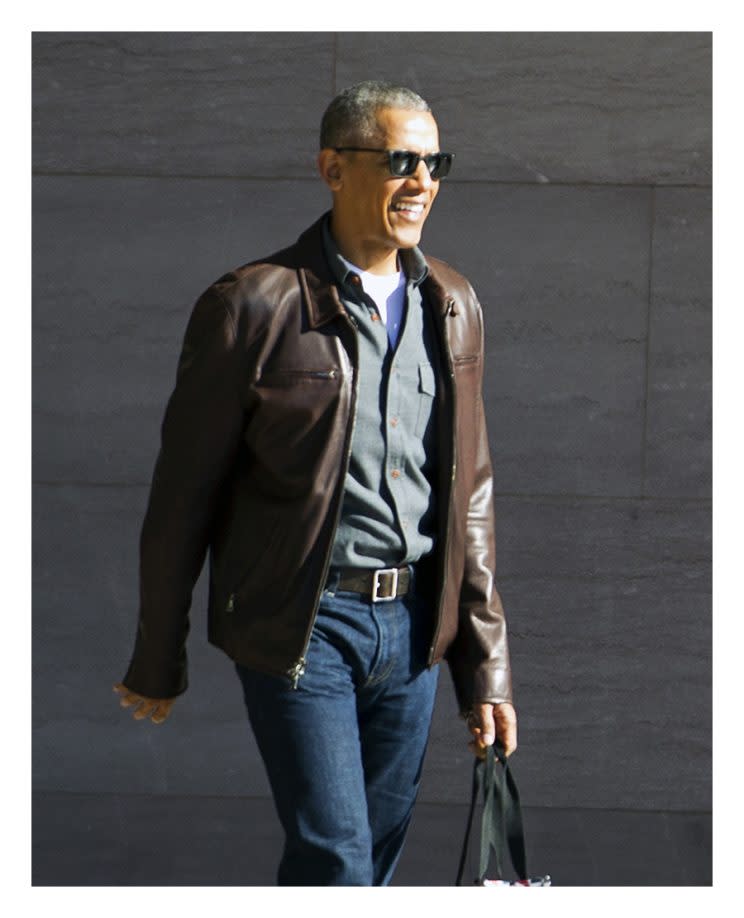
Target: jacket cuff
[[488, 682], [156, 680]]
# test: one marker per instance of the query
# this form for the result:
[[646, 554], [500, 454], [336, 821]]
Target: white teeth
[[413, 208]]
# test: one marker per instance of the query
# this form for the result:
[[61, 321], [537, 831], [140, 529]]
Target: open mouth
[[409, 210]]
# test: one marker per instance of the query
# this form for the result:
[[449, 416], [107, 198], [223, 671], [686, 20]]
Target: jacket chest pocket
[[289, 376], [297, 415]]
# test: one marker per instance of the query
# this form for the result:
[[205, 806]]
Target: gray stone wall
[[580, 208]]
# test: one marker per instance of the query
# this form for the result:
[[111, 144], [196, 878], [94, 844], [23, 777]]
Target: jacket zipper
[[296, 671], [450, 310], [298, 668]]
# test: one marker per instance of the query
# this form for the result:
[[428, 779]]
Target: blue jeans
[[344, 750]]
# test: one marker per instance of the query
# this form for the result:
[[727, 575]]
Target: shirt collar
[[411, 260]]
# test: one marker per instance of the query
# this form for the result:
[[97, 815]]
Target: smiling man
[[326, 443]]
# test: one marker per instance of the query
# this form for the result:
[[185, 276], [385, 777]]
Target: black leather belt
[[382, 585]]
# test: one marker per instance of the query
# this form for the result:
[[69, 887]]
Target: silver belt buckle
[[376, 584]]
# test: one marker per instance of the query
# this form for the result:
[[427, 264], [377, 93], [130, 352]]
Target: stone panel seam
[[225, 176], [503, 495], [432, 803]]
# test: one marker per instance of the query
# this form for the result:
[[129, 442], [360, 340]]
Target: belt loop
[[332, 579]]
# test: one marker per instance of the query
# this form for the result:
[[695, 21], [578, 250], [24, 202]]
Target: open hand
[[157, 709]]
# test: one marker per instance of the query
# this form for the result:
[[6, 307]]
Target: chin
[[408, 239]]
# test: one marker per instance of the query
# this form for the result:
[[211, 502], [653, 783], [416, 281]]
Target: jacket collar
[[318, 279]]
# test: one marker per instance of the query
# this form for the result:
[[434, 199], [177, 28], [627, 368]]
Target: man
[[326, 442]]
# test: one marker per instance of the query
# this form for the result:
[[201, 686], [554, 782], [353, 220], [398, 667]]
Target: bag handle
[[501, 823]]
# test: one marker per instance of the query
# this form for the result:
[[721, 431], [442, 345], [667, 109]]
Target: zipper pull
[[296, 671], [451, 307], [230, 603]]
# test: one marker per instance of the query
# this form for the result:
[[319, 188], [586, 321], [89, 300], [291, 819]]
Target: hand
[[157, 709], [488, 722]]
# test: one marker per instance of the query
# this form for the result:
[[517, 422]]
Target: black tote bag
[[501, 824]]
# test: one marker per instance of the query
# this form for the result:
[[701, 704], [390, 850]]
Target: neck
[[363, 253]]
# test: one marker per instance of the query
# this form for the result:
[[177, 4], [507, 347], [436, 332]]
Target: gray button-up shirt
[[388, 515]]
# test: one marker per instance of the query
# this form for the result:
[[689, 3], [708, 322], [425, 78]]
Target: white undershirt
[[388, 292]]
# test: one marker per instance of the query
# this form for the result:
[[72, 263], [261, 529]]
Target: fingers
[[144, 710], [157, 709], [488, 722], [481, 725], [477, 749], [505, 718]]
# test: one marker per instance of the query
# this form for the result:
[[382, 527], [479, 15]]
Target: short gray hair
[[351, 118]]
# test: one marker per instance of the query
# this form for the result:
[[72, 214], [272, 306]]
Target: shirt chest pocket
[[427, 390]]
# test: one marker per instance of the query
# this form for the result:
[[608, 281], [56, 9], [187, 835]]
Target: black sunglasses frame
[[437, 164]]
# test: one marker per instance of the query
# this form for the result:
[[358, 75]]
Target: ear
[[330, 168]]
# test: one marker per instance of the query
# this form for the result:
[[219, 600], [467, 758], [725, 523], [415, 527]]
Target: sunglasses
[[402, 163]]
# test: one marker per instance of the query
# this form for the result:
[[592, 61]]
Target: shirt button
[[395, 473], [393, 422], [355, 279], [375, 317]]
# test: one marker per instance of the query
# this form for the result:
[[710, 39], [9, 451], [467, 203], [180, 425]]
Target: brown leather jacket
[[255, 444]]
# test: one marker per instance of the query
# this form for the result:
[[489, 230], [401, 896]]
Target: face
[[384, 212]]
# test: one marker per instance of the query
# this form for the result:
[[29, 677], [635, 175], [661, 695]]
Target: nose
[[422, 177]]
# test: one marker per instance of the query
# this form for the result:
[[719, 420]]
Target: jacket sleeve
[[200, 435], [479, 656]]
